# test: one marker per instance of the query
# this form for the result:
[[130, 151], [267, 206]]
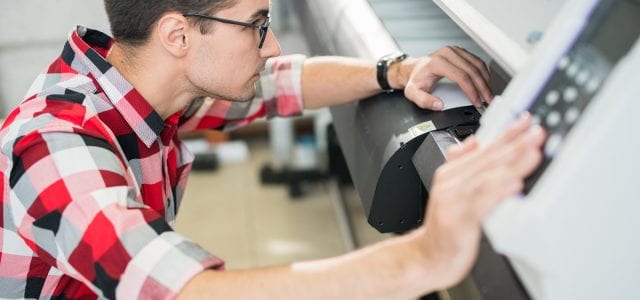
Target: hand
[[465, 191], [454, 63]]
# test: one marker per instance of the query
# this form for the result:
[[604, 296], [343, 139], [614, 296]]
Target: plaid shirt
[[92, 177]]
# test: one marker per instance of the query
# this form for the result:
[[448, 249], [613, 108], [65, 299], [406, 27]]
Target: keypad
[[560, 104]]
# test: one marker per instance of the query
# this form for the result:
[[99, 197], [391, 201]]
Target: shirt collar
[[91, 47]]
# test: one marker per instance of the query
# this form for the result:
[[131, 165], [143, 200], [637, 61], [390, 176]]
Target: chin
[[242, 96], [247, 94], [250, 94], [245, 97]]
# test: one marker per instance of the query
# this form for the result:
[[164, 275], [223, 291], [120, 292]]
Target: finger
[[498, 186], [443, 67], [423, 99], [507, 180], [528, 162], [473, 67], [481, 67], [519, 158], [458, 150], [531, 138], [502, 151], [526, 154], [476, 61], [515, 129], [513, 148]]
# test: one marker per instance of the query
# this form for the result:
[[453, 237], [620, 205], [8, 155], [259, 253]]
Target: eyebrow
[[260, 13]]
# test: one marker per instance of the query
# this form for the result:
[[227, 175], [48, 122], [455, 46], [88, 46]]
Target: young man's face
[[226, 62]]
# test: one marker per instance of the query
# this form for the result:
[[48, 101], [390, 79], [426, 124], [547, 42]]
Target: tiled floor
[[231, 214]]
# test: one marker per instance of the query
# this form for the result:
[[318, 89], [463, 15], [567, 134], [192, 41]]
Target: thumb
[[423, 99]]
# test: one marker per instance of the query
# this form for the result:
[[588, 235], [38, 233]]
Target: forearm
[[329, 80], [395, 268]]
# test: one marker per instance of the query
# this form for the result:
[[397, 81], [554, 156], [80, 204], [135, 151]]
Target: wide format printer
[[574, 66]]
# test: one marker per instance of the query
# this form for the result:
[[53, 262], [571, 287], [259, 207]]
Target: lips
[[260, 70]]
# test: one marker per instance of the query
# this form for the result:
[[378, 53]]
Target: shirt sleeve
[[74, 206], [278, 93]]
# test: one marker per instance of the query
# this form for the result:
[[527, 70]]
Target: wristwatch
[[382, 69]]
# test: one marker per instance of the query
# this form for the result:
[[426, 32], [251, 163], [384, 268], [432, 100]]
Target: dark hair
[[131, 20]]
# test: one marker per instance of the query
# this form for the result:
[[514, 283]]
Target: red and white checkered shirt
[[92, 177]]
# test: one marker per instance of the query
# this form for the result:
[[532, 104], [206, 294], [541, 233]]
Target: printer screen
[[621, 29]]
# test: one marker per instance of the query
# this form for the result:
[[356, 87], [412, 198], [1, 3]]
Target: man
[[93, 172]]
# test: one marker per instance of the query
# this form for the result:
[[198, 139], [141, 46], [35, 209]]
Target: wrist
[[387, 77], [399, 73], [421, 269]]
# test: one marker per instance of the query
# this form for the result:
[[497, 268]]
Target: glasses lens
[[264, 28]]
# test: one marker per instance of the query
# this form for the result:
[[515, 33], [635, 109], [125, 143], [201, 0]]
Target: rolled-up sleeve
[[74, 205], [278, 93]]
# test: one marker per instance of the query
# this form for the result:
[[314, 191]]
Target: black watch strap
[[382, 68]]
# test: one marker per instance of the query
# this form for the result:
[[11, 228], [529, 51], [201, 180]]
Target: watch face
[[394, 57], [383, 68]]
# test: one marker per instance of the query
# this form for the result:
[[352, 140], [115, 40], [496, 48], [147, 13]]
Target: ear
[[172, 30]]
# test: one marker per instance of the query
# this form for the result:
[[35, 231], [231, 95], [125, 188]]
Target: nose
[[271, 46]]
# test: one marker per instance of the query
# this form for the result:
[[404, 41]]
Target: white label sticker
[[422, 128]]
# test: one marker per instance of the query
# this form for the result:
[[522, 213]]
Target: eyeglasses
[[262, 28]]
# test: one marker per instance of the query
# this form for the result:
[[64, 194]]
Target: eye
[[259, 21]]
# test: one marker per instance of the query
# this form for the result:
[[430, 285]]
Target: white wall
[[32, 33]]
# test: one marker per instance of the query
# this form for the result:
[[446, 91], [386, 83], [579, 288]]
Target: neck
[[154, 75]]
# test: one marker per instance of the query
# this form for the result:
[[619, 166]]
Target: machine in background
[[572, 234]]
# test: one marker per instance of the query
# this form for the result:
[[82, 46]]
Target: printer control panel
[[612, 29]]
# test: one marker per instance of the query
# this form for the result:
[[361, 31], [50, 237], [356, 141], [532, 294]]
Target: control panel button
[[552, 97], [553, 119], [570, 94], [592, 85], [563, 62], [571, 115], [553, 143], [582, 77], [572, 70]]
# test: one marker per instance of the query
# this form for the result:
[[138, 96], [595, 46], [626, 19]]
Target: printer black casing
[[378, 137]]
